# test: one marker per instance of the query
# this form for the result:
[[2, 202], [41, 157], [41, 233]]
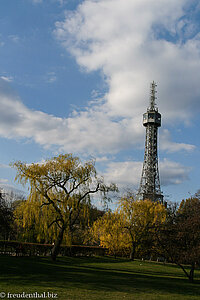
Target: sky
[[75, 78]]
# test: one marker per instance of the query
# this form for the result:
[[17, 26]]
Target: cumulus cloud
[[124, 42], [90, 131], [128, 173], [173, 172], [132, 44], [170, 146], [124, 173]]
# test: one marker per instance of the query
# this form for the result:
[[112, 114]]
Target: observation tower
[[150, 182]]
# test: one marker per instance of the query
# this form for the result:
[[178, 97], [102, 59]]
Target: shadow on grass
[[96, 274]]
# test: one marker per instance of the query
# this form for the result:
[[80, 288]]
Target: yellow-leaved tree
[[60, 190], [109, 232], [130, 227], [141, 217]]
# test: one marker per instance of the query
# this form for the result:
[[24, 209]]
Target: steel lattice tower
[[150, 182]]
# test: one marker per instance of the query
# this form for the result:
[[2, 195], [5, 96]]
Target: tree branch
[[55, 221]]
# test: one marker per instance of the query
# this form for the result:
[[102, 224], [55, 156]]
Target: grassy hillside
[[95, 278]]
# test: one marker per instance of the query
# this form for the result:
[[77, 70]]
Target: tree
[[130, 227], [60, 189], [28, 227], [141, 217], [108, 232], [179, 236], [81, 234], [6, 217], [9, 201]]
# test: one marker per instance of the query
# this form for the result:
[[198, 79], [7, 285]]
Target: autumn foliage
[[60, 190], [129, 227], [59, 210]]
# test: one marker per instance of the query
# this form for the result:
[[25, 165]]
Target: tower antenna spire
[[150, 182], [153, 96]]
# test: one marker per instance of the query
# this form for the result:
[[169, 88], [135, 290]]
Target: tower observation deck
[[150, 183]]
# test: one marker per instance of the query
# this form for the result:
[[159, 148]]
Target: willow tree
[[60, 189]]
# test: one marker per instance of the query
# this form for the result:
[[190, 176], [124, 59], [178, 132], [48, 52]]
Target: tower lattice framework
[[150, 182]]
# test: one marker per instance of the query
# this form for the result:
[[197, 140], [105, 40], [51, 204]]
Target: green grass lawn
[[96, 278]]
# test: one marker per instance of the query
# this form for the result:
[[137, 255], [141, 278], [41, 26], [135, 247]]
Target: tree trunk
[[191, 276], [132, 253], [58, 242]]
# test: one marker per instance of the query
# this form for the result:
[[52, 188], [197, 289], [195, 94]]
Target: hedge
[[33, 249]]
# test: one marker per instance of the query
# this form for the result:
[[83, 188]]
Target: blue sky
[[75, 77]]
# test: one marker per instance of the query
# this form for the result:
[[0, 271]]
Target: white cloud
[[167, 145], [102, 159], [10, 191], [126, 42], [120, 41], [173, 172], [129, 173], [7, 78], [93, 131], [90, 131], [124, 173]]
